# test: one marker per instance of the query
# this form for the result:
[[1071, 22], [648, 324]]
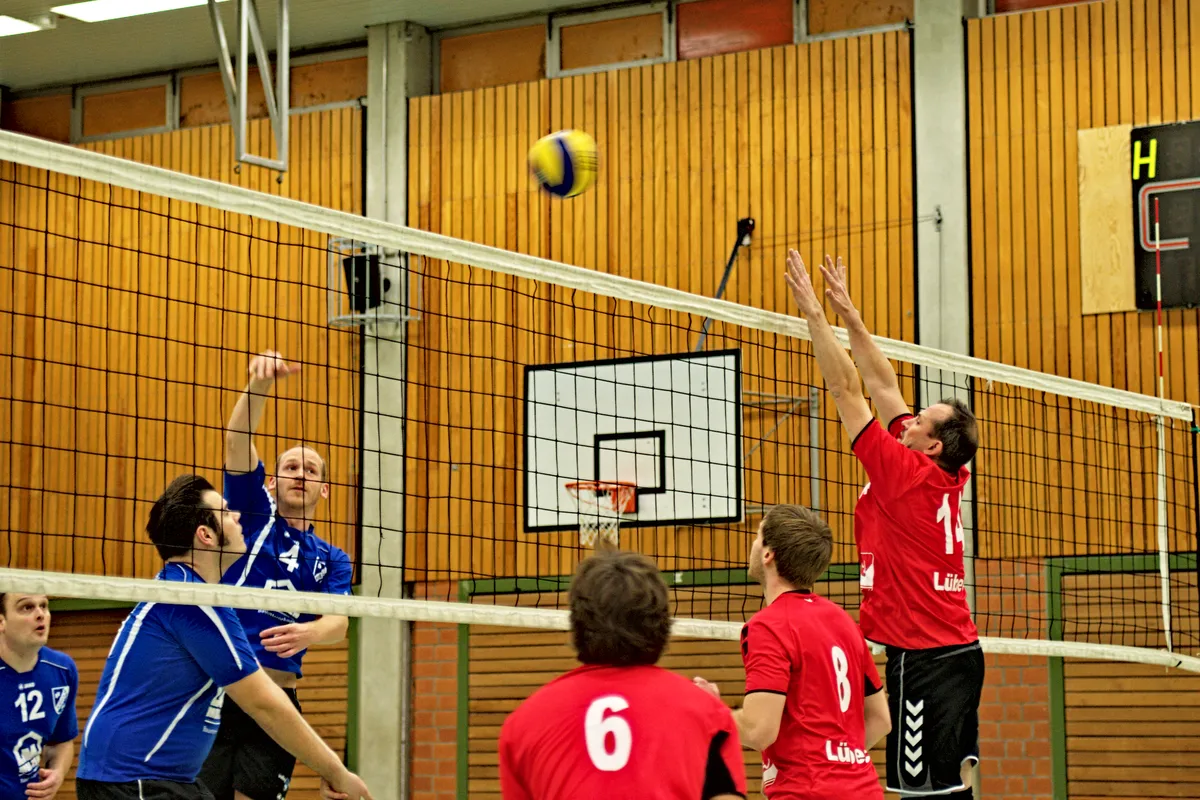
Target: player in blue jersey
[[160, 698], [38, 687], [283, 552]]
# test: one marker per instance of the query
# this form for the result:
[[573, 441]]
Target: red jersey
[[908, 527], [600, 733], [809, 649]]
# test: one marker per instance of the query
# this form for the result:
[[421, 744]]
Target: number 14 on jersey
[[953, 528]]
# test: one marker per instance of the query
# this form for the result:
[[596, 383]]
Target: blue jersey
[[37, 709], [279, 556], [158, 706]]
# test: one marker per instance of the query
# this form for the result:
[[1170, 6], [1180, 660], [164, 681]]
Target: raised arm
[[240, 454], [840, 375], [876, 370]]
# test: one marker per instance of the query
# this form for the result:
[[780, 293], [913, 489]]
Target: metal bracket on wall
[[276, 94]]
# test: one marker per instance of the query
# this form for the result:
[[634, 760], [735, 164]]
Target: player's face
[[299, 481], [26, 620], [756, 569], [232, 542], [918, 430]]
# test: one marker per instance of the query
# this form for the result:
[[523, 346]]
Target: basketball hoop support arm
[[745, 227], [276, 95]]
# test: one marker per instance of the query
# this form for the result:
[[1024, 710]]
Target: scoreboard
[[1166, 169]]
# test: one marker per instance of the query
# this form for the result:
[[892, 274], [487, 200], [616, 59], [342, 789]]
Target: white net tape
[[137, 590], [186, 188], [165, 183]]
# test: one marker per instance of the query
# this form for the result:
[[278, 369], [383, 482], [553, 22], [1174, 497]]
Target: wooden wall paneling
[[662, 121]]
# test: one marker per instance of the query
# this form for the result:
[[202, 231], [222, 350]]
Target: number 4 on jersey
[[954, 531]]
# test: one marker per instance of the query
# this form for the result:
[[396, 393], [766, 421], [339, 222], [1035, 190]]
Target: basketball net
[[601, 506]]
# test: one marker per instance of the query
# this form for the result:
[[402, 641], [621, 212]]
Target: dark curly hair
[[618, 609]]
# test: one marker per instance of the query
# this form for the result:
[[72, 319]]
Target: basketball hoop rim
[[622, 494]]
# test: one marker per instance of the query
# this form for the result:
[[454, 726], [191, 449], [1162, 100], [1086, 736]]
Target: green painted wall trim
[[352, 645], [1125, 562], [462, 705], [1058, 730], [84, 604], [697, 577], [1056, 568]]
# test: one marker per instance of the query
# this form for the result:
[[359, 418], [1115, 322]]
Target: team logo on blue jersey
[[60, 694], [319, 570], [28, 752]]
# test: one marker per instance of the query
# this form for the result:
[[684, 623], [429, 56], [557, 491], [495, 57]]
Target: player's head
[[619, 614], [946, 432], [190, 515], [299, 482], [793, 544], [24, 620]]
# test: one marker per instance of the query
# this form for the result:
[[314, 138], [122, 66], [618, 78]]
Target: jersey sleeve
[[512, 786], [247, 493], [341, 572], [768, 667], [725, 772], [891, 467], [67, 727], [215, 639], [871, 682]]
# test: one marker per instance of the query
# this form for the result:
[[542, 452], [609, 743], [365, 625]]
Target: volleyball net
[[485, 413]]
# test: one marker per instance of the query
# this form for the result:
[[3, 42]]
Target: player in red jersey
[[619, 726], [908, 527], [814, 703]]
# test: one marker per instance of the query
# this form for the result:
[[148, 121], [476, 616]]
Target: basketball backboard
[[672, 424]]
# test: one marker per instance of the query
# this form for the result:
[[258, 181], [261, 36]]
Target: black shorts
[[140, 790], [246, 759], [934, 699]]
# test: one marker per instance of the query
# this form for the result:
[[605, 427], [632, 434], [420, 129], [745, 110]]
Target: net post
[[1164, 547], [814, 447]]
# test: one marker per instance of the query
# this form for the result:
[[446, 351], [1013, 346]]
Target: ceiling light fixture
[[11, 26], [103, 10]]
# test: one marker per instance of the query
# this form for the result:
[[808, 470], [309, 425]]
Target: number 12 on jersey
[[954, 530]]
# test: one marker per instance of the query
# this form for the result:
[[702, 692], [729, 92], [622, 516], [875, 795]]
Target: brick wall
[[435, 706], [1014, 729], [1014, 720]]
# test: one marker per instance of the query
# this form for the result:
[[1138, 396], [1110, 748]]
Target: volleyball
[[564, 162]]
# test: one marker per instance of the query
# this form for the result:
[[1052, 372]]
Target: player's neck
[[206, 565], [297, 521], [20, 659], [774, 587]]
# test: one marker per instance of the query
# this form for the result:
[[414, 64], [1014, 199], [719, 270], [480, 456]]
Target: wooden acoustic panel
[[1105, 221]]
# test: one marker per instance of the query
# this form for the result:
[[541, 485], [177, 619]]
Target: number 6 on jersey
[[597, 728]]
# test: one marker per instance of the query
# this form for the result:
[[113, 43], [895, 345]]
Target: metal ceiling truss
[[236, 79]]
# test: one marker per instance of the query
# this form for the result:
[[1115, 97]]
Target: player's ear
[[325, 491], [934, 449], [206, 536], [271, 483]]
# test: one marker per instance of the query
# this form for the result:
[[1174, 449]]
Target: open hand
[[270, 365], [836, 291], [800, 283], [288, 640], [48, 783]]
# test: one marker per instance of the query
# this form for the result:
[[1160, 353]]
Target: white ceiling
[[77, 52]]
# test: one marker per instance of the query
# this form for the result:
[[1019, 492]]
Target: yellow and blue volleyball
[[564, 162]]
